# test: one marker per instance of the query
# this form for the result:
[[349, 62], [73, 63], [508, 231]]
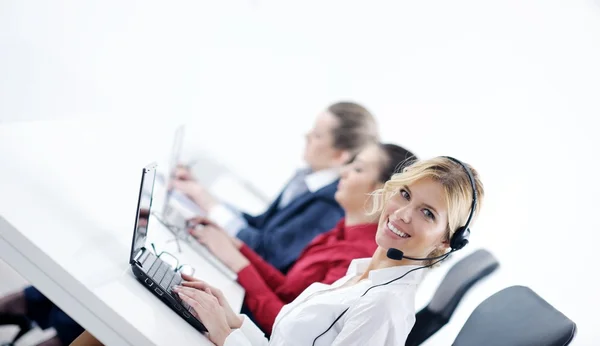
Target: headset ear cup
[[460, 238]]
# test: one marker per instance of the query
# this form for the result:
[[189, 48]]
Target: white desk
[[68, 195]]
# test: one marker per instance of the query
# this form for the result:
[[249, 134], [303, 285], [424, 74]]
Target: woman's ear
[[343, 157]]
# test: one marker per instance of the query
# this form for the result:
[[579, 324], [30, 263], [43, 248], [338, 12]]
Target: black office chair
[[20, 321], [516, 316], [459, 279]]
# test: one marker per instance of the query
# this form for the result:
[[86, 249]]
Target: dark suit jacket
[[280, 235]]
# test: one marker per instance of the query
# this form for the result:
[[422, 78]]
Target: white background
[[510, 86]]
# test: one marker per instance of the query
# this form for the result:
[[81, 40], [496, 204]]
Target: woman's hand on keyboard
[[203, 222], [207, 309], [233, 319], [196, 192]]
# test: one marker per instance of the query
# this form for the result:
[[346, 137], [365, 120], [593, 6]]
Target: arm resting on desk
[[271, 275]]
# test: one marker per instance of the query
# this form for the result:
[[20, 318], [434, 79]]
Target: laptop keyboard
[[165, 276]]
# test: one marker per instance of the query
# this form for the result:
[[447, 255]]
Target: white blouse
[[384, 316]]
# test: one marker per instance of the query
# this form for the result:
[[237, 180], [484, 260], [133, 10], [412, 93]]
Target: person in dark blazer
[[306, 207]]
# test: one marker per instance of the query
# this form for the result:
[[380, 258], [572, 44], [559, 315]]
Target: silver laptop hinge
[[138, 255]]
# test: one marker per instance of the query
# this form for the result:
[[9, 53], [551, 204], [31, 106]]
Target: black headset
[[459, 240]]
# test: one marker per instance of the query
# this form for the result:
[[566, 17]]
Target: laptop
[[151, 271]]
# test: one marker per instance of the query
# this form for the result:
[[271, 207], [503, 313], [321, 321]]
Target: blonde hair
[[455, 182]]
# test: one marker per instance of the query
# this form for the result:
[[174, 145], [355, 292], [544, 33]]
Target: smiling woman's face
[[415, 219]]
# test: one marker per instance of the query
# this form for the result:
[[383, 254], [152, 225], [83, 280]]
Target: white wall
[[509, 86]]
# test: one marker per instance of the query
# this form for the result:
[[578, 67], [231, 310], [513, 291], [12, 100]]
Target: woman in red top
[[327, 257]]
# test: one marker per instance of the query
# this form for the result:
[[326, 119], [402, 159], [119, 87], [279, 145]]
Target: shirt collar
[[318, 180], [379, 276]]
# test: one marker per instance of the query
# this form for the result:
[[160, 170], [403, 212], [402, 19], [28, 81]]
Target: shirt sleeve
[[272, 276], [264, 304], [231, 221], [247, 335], [381, 319]]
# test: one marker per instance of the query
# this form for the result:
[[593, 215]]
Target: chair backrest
[[516, 316], [459, 279]]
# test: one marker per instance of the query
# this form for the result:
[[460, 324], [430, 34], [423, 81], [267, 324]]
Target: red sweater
[[325, 259]]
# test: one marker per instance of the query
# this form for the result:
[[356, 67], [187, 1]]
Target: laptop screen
[[143, 210]]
